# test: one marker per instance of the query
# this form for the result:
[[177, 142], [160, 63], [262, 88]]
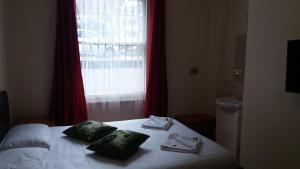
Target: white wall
[[194, 39], [3, 80], [270, 124], [214, 64], [186, 46], [236, 25], [31, 46], [31, 42]]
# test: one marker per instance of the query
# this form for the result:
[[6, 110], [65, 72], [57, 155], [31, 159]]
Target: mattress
[[67, 153]]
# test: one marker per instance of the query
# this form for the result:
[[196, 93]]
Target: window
[[112, 43]]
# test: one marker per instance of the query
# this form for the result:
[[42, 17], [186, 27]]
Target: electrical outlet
[[194, 71]]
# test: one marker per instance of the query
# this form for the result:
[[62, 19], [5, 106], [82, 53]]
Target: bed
[[68, 153]]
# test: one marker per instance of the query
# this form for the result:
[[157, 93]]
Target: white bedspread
[[23, 158], [67, 153]]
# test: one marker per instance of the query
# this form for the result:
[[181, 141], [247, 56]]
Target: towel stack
[[158, 122], [182, 144]]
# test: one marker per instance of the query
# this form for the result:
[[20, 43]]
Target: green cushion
[[89, 130], [119, 144]]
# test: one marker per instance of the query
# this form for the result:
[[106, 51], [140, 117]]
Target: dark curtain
[[68, 104], [156, 102]]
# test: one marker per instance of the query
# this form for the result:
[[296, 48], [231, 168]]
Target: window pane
[[112, 36]]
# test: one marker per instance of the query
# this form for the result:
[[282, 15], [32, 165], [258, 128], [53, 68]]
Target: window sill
[[94, 98]]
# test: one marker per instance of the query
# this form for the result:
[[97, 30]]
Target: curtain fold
[[68, 104], [156, 102]]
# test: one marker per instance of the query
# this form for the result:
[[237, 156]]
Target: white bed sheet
[[23, 158], [67, 153]]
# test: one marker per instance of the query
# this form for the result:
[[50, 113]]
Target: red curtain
[[156, 102], [68, 104]]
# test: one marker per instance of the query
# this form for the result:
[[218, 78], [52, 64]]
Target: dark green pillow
[[119, 144], [89, 130]]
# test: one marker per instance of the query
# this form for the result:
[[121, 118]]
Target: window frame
[[124, 96]]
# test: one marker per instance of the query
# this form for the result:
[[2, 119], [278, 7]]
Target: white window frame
[[125, 96]]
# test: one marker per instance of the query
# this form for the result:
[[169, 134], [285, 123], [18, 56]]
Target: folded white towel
[[182, 144], [158, 122]]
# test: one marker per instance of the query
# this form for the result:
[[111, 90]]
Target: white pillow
[[27, 135]]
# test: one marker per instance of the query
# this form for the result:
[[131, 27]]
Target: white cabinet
[[227, 120]]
